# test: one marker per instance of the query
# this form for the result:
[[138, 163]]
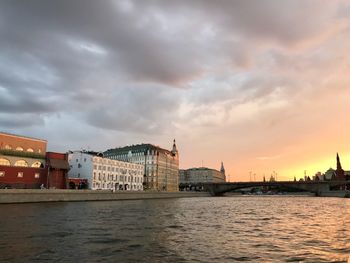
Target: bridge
[[217, 189]]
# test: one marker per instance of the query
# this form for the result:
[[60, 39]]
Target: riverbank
[[8, 196]]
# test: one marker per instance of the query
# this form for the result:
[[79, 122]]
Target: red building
[[57, 167], [24, 163]]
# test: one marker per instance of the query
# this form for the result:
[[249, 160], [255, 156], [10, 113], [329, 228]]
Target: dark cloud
[[16, 121], [140, 110], [226, 78]]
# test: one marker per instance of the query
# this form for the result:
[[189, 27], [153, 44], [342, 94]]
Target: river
[[206, 229]]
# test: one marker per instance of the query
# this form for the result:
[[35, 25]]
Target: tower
[[339, 172], [174, 150], [338, 163], [222, 169]]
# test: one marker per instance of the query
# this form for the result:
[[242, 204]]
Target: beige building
[[23, 151], [202, 175], [161, 166]]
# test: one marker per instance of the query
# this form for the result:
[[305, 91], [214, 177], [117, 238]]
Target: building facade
[[24, 163], [161, 166], [202, 175], [57, 168], [104, 173]]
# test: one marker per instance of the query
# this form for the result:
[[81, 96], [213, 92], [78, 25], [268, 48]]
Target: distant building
[[161, 166], [329, 175], [335, 175], [24, 163], [103, 173], [202, 175]]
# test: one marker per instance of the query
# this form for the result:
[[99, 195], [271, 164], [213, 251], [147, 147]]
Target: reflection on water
[[226, 229]]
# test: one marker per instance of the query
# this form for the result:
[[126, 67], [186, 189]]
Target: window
[[2, 173], [4, 161], [19, 149], [21, 163], [36, 175], [85, 160], [30, 150], [8, 147], [39, 151], [76, 160], [36, 164], [20, 174]]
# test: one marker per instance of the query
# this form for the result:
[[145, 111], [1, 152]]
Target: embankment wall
[[55, 195]]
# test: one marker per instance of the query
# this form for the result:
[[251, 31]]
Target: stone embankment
[[8, 196], [345, 193]]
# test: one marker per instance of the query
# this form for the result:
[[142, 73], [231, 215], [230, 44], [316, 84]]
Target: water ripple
[[226, 229]]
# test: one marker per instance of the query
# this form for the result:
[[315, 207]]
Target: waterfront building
[[104, 173], [337, 174], [161, 166], [24, 163], [57, 168], [202, 175]]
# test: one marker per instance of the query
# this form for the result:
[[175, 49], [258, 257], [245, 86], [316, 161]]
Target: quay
[[8, 196]]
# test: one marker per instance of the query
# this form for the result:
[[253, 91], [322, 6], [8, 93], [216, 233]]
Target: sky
[[263, 86]]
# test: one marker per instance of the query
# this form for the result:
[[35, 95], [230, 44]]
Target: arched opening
[[71, 185], [21, 163], [116, 186], [20, 149], [5, 162], [36, 164], [82, 185], [30, 150], [8, 147]]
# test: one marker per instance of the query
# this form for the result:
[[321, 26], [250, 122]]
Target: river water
[[212, 229]]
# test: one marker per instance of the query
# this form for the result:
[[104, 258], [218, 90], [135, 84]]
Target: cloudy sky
[[261, 85]]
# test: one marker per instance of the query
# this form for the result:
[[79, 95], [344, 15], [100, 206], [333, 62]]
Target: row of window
[[20, 163], [111, 162], [116, 186], [19, 174], [20, 149], [114, 169], [111, 177]]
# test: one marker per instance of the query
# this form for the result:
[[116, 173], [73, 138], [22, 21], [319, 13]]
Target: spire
[[222, 169], [174, 150], [338, 163]]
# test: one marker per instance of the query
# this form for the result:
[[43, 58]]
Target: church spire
[[338, 163], [222, 169], [174, 150]]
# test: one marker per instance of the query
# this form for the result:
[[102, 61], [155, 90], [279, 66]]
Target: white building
[[105, 174]]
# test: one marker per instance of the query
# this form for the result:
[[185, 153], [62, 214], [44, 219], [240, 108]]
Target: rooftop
[[136, 148], [21, 136]]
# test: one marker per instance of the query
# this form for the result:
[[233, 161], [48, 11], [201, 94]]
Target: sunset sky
[[261, 85]]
